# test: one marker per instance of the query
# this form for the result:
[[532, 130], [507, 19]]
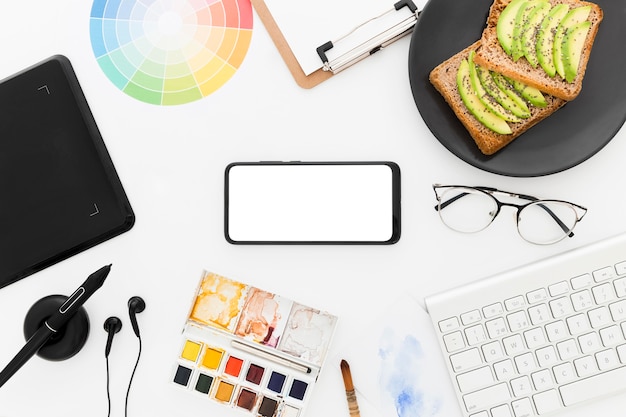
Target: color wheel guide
[[170, 52], [255, 352]]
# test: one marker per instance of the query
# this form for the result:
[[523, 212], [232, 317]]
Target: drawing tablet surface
[[59, 192]]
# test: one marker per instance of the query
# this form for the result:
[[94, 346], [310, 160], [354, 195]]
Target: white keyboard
[[538, 339]]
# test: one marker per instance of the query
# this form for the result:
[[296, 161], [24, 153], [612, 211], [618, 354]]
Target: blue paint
[[401, 375]]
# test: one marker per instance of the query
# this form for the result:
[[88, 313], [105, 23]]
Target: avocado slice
[[484, 97], [573, 44], [506, 24], [545, 37], [573, 17], [521, 22], [474, 105], [529, 32], [531, 94], [510, 101]]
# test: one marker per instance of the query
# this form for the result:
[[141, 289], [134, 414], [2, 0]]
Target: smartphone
[[312, 203]]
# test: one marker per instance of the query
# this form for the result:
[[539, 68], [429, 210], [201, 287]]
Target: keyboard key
[[501, 411], [492, 351], [567, 349], [472, 380], [620, 268], [537, 296], [504, 369], [581, 281], [448, 325], [481, 414], [595, 386], [542, 380], [561, 307], [585, 366], [496, 328], [599, 317], [521, 386], [470, 317], [475, 335], [547, 401], [603, 293], [534, 338], [620, 287], [522, 408], [466, 360], [513, 344], [556, 331], [564, 373], [604, 274], [484, 398], [525, 363], [611, 336], [514, 303], [621, 352], [578, 324], [546, 356], [493, 310], [582, 300], [539, 314], [559, 288], [454, 341], [618, 310], [589, 342], [607, 359], [517, 321]]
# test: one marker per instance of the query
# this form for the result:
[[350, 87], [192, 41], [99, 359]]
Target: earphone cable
[[108, 387], [131, 379]]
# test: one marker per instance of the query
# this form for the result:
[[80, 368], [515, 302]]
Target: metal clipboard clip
[[373, 43]]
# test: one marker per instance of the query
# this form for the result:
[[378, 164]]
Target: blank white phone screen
[[310, 203]]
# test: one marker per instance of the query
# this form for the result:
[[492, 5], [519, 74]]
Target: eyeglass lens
[[546, 221], [468, 210]]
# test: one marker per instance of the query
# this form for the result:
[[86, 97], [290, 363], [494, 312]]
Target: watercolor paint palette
[[251, 350]]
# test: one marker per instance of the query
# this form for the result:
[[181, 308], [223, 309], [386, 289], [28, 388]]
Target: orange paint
[[233, 366]]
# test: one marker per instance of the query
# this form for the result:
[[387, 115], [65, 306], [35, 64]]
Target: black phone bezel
[[396, 202]]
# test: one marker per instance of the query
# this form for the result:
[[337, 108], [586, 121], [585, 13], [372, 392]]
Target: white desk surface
[[171, 161]]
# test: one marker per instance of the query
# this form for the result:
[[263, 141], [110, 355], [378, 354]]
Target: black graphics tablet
[[59, 191]]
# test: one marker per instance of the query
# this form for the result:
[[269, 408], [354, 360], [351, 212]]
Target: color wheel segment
[[169, 52]]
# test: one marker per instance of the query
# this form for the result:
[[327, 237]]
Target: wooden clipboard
[[303, 80]]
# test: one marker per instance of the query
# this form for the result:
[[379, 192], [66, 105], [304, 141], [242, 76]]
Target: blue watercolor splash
[[401, 375]]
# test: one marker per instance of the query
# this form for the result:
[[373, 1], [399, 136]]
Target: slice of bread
[[493, 57], [443, 78]]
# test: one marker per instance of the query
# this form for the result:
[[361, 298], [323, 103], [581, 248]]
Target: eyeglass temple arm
[[446, 203]]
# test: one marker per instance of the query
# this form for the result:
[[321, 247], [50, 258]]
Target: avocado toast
[[453, 79], [543, 43]]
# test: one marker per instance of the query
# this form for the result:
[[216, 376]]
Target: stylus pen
[[55, 322]]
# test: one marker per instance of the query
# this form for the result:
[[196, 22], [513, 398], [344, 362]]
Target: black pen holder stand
[[69, 340]]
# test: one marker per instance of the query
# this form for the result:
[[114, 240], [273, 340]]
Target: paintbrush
[[353, 406]]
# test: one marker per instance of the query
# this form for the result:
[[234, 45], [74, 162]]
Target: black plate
[[570, 136]]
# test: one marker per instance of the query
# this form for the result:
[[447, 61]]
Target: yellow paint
[[224, 391], [212, 358], [191, 351]]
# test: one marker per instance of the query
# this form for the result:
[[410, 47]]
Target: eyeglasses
[[472, 209]]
